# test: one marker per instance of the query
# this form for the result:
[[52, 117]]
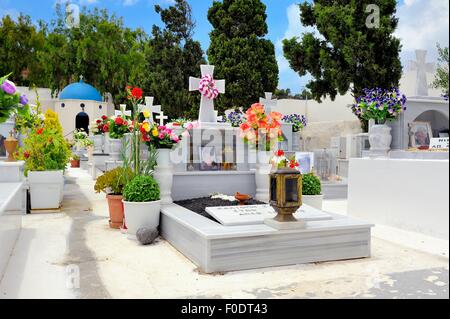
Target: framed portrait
[[208, 158], [306, 161], [420, 134]]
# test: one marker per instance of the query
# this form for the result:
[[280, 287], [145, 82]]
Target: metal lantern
[[286, 193]]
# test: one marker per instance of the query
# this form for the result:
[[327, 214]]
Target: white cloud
[[422, 24], [129, 2]]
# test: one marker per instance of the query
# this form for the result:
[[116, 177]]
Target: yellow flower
[[146, 114], [146, 127], [155, 132]]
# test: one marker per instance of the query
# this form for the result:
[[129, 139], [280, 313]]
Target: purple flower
[[23, 99], [8, 87]]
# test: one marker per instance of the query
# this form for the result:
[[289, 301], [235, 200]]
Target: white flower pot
[[164, 175], [380, 139], [315, 201], [115, 149], [46, 189], [262, 178], [296, 136], [98, 143], [138, 215]]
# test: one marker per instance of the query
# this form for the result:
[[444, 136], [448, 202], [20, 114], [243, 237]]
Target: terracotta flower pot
[[75, 163], [116, 213]]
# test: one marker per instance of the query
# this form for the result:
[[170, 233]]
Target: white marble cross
[[206, 114], [422, 68], [123, 111], [150, 107], [161, 117], [268, 103]]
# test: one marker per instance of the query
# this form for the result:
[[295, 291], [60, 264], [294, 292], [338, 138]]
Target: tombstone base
[[214, 125], [298, 224]]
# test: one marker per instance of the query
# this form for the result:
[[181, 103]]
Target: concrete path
[[74, 254]]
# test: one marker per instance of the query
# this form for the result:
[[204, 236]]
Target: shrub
[[113, 182], [51, 121], [311, 185], [142, 188]]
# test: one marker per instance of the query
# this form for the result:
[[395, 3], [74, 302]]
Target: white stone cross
[[123, 111], [161, 117], [150, 107], [422, 68], [206, 114], [268, 103]]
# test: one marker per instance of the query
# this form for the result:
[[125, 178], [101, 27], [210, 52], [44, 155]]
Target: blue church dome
[[80, 91]]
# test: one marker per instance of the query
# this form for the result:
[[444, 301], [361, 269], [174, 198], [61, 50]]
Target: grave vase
[[380, 139], [296, 137], [262, 176], [98, 141], [164, 175], [115, 148]]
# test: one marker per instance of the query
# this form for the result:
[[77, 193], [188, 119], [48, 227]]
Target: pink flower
[[161, 136], [185, 134], [189, 126], [175, 138]]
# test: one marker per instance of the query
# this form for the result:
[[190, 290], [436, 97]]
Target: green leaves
[[142, 189], [311, 185], [441, 78], [240, 53], [347, 52]]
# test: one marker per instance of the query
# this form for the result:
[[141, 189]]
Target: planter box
[[46, 189], [313, 200], [139, 215]]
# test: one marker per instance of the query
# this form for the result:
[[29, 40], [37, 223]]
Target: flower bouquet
[[11, 100], [160, 137], [235, 118], [298, 122], [100, 126], [117, 127], [261, 130], [380, 105], [281, 161]]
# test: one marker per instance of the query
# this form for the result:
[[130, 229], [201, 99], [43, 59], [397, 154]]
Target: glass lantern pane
[[273, 189], [291, 190]]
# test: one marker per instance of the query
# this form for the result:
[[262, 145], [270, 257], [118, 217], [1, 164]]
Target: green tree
[[441, 78], [171, 56], [241, 54], [352, 51], [19, 43]]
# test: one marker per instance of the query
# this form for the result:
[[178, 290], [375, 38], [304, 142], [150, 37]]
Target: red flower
[[137, 93], [279, 153], [40, 131], [118, 121], [104, 117], [26, 154], [99, 121], [105, 128]]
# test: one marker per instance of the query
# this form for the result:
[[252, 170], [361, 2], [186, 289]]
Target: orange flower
[[276, 116], [40, 131]]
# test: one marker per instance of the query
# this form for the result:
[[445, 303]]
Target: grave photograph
[[200, 152]]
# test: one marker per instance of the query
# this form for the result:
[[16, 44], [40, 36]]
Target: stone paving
[[52, 248]]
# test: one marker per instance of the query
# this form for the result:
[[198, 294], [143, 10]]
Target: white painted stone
[[299, 224], [257, 214], [269, 103], [404, 193]]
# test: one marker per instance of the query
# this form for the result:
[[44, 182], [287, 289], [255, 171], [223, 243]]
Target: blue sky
[[422, 23]]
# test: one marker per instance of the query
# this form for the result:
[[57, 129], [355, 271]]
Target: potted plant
[[312, 191], [263, 132], [142, 205], [112, 183], [298, 122], [75, 161], [380, 106], [98, 129], [117, 128], [46, 154]]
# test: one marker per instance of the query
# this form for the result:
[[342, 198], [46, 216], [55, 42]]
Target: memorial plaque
[[256, 214]]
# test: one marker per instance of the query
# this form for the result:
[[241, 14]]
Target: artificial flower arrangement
[[11, 100], [298, 122], [180, 122], [261, 130], [100, 126], [380, 105], [118, 126], [45, 148], [161, 137], [280, 160], [81, 139], [235, 118]]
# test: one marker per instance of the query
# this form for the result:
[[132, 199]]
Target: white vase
[[138, 215], [164, 175], [315, 201], [46, 189], [380, 139], [262, 178], [98, 143], [115, 149]]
